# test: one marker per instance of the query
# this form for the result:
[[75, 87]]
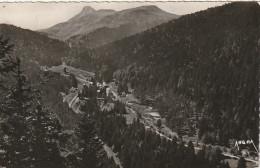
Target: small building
[[73, 90], [155, 115], [245, 152], [105, 84], [108, 91], [123, 94]]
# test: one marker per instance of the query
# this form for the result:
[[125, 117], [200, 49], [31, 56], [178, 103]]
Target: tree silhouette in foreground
[[90, 148], [28, 136], [241, 163]]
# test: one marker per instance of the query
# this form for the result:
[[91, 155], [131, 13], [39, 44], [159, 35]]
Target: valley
[[133, 87], [137, 110]]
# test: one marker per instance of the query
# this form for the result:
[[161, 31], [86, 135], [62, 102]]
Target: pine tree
[[241, 163], [217, 156], [201, 156], [90, 148], [6, 63], [5, 49], [191, 157], [28, 136], [224, 165], [159, 123], [74, 81], [227, 165], [15, 110], [44, 139]]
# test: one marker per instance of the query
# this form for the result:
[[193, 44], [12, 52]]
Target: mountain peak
[[149, 7], [106, 10], [101, 20], [88, 9]]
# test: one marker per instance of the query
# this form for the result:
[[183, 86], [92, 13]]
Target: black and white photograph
[[143, 84]]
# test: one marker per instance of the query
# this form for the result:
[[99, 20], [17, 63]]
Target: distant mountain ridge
[[91, 28], [84, 22]]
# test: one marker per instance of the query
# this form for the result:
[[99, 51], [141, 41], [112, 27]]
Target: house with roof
[[155, 115]]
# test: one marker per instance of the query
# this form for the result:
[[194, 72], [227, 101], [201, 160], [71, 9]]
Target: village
[[107, 96]]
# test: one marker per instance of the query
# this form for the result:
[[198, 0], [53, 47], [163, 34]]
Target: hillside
[[91, 28], [84, 22], [202, 69], [34, 46]]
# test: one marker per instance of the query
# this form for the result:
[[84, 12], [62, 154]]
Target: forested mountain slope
[[91, 28], [202, 66], [34, 46]]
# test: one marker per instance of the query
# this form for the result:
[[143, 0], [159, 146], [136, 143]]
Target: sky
[[37, 16]]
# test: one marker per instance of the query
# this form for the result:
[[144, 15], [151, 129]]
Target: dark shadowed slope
[[35, 46]]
